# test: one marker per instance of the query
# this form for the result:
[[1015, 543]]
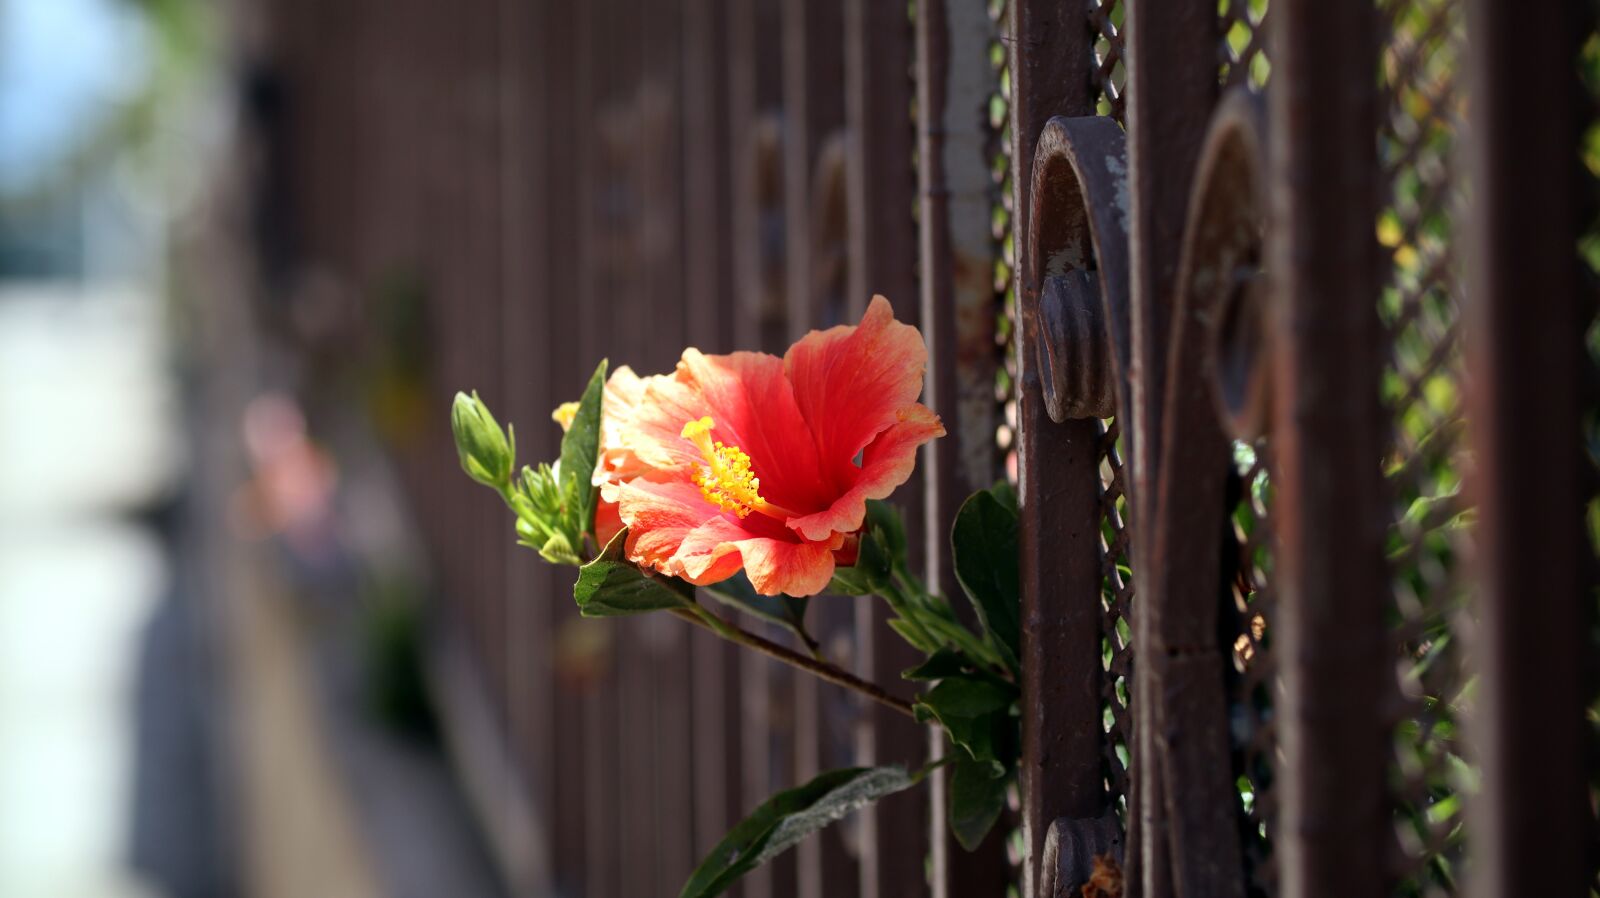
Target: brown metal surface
[[958, 313], [1051, 55], [1330, 578], [880, 145], [1073, 307], [1171, 87], [1527, 343]]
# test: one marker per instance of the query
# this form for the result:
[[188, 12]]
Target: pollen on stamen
[[726, 481]]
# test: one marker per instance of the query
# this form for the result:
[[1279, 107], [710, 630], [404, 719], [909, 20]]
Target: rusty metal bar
[[1329, 508], [1172, 84], [1051, 56], [883, 259], [955, 81], [1532, 825]]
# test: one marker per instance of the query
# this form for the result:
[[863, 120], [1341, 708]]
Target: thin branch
[[703, 618]]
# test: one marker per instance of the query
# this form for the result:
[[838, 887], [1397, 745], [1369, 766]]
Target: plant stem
[[703, 618]]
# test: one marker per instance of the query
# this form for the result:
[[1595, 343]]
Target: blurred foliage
[[392, 638]]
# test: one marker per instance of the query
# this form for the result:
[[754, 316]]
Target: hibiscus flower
[[748, 461]]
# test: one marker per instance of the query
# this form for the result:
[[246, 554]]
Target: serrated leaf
[[984, 547], [785, 611], [977, 796], [580, 447], [972, 713], [611, 586], [786, 818]]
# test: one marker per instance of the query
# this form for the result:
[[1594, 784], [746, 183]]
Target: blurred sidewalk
[[87, 440]]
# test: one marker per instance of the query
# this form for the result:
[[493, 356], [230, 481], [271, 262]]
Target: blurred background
[[258, 634], [210, 682]]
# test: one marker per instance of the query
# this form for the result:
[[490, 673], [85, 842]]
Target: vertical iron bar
[[1172, 84], [1533, 827], [1329, 508], [955, 81], [883, 254], [1051, 52]]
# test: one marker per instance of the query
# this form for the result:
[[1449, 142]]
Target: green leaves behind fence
[[788, 817]]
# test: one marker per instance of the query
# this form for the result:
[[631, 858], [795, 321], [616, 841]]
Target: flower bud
[[486, 454]]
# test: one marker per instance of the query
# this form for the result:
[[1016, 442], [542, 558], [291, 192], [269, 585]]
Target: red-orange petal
[[623, 391], [886, 463], [718, 548], [753, 405], [851, 383], [659, 515]]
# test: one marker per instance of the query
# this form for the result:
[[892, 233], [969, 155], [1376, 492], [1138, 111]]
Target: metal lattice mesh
[[1109, 78], [1427, 456], [1241, 56], [1110, 75], [1001, 170], [1253, 682], [1116, 620]]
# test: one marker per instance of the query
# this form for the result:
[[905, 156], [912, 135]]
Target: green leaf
[[972, 713], [580, 447], [977, 796], [885, 518], [883, 545], [911, 634], [611, 586], [785, 611], [946, 662], [788, 817], [984, 544]]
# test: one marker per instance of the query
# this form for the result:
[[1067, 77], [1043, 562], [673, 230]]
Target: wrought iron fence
[[1280, 314]]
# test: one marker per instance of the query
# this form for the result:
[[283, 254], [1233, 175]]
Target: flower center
[[726, 480]]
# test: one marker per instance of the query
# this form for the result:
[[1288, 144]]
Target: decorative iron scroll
[[1077, 312]]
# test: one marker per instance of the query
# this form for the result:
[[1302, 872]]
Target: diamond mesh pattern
[[1116, 620], [1429, 537], [1116, 594], [1241, 56], [1109, 74], [1254, 678]]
